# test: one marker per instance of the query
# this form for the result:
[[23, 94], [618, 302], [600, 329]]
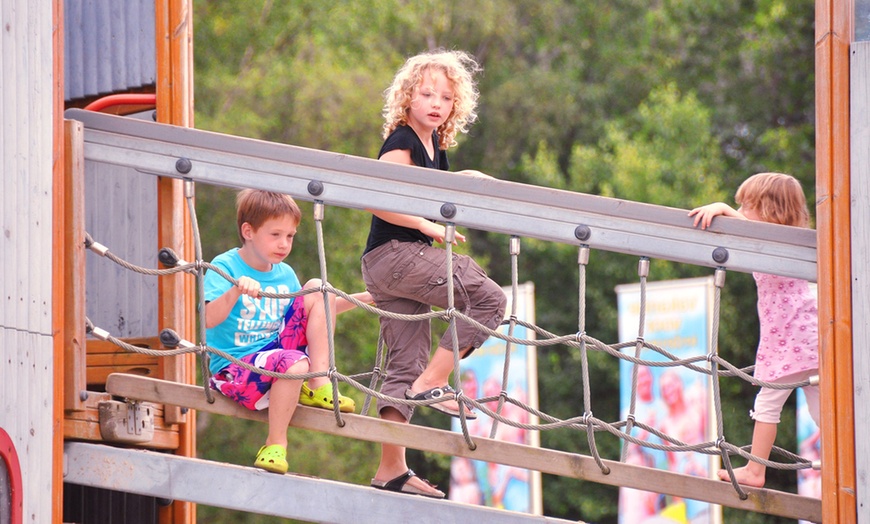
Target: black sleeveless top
[[403, 137]]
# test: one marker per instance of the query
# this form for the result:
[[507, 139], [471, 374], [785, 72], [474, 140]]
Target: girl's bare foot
[[744, 477]]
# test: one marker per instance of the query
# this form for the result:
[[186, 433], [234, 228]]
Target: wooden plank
[[95, 346], [73, 256], [97, 375], [89, 430], [105, 358], [860, 191], [123, 360], [448, 443]]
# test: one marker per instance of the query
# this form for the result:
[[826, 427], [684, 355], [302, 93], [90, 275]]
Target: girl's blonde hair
[[256, 206], [777, 198], [459, 68]]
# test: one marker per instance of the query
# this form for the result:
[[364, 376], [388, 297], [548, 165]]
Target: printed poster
[[674, 400], [491, 484], [809, 439]]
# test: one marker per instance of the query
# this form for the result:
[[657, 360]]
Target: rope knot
[[630, 418], [720, 441], [579, 336], [711, 357], [587, 417]]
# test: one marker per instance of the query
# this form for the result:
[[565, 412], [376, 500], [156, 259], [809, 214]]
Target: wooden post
[[174, 30], [58, 307], [73, 271], [833, 37]]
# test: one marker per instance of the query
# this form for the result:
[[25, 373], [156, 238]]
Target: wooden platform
[[449, 443]]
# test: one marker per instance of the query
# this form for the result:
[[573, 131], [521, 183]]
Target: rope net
[[711, 365]]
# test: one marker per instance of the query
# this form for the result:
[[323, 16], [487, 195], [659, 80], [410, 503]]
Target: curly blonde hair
[[776, 197], [459, 68]]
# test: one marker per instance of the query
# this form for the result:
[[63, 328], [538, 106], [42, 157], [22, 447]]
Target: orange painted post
[[833, 37], [176, 294], [58, 285], [73, 269]]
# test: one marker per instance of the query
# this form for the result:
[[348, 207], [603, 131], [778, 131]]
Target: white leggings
[[769, 402]]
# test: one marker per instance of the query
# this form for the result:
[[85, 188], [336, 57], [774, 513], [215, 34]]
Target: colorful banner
[[673, 400], [491, 484], [809, 439]]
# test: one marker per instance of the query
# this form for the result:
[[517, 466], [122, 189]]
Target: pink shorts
[[251, 389]]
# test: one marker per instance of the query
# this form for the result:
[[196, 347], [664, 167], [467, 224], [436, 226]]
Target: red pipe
[[122, 99]]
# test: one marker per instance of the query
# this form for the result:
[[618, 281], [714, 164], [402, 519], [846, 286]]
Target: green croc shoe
[[322, 398], [272, 458]]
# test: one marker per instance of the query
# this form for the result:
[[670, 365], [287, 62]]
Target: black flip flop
[[444, 392], [400, 485]]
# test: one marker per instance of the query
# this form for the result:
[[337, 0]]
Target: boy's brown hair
[[776, 197], [256, 206]]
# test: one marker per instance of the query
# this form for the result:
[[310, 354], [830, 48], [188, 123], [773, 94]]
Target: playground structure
[[180, 156]]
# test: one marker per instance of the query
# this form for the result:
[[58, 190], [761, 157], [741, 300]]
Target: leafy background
[[671, 102]]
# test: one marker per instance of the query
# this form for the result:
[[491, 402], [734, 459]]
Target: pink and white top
[[789, 319]]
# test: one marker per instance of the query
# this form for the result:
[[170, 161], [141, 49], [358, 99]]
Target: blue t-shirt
[[253, 322]]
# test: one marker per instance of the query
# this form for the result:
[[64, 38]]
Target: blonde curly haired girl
[[432, 98], [459, 69]]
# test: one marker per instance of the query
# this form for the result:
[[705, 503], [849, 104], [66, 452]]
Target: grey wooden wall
[[860, 181], [26, 150], [121, 214]]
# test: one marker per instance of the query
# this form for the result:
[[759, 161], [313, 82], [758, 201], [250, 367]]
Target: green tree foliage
[[671, 103]]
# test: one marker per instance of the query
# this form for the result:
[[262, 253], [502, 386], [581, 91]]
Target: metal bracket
[[130, 422]]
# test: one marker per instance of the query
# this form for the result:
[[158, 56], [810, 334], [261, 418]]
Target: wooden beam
[[73, 256], [174, 47], [548, 461], [833, 203], [59, 243]]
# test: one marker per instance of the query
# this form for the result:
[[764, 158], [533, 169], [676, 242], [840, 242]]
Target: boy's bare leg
[[753, 473], [283, 397]]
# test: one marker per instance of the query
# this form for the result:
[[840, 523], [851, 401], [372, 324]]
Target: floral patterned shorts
[[251, 389]]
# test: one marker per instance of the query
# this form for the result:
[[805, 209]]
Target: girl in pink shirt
[[788, 347]]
